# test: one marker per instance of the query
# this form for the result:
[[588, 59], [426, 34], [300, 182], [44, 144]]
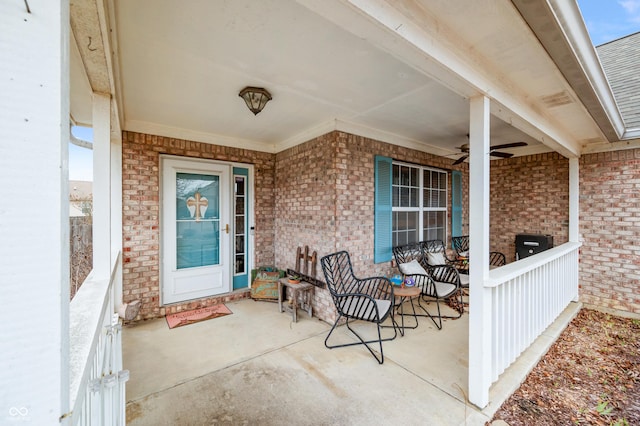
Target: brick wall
[[610, 230], [141, 208], [305, 208], [529, 195], [321, 193], [325, 199]]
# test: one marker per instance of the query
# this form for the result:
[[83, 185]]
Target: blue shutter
[[456, 203], [382, 210]]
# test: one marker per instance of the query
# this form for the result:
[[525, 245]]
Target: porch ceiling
[[180, 66]]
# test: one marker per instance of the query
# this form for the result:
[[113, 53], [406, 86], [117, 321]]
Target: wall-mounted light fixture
[[255, 98]]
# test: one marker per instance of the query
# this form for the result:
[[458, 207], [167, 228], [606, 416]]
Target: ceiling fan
[[493, 151]]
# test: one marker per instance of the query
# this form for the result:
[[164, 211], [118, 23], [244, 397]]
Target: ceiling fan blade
[[509, 145], [460, 160], [500, 154]]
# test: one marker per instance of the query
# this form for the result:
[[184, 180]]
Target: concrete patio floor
[[258, 367]]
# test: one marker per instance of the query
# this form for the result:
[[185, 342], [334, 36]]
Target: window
[[240, 246], [419, 204], [410, 205]]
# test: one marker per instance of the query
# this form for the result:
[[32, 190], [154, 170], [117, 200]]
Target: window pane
[[396, 175], [404, 197], [239, 185], [427, 202], [404, 176], [240, 244], [240, 225], [405, 228], [239, 264], [415, 200]]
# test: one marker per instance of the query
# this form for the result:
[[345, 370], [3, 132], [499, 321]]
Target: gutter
[[79, 142]]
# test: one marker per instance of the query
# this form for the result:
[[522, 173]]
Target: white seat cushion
[[444, 289], [436, 258], [352, 306], [412, 268], [464, 280]]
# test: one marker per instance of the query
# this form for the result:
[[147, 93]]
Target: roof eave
[[559, 26]]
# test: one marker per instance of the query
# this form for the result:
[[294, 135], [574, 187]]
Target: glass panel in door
[[197, 220]]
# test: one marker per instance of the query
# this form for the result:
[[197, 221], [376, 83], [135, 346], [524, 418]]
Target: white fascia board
[[568, 15]]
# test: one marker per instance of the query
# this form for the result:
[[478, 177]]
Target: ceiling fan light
[[255, 98]]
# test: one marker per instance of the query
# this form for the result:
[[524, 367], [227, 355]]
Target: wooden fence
[[81, 250]]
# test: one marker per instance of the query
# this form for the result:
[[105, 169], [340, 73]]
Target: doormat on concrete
[[197, 315]]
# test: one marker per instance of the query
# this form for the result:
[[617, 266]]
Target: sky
[[606, 20], [81, 159]]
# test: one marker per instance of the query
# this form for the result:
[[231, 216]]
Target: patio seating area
[[257, 366]]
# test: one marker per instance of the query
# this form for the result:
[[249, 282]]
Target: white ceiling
[[180, 66]]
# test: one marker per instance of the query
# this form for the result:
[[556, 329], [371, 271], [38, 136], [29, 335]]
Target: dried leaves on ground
[[590, 376]]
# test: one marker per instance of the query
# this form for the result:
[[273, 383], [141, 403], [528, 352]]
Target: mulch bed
[[590, 376]]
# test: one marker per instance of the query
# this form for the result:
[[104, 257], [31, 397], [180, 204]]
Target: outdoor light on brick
[[255, 98]]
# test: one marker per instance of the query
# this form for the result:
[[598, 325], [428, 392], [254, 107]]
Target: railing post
[[99, 381]]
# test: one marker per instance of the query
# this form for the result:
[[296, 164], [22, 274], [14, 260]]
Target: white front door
[[196, 206]]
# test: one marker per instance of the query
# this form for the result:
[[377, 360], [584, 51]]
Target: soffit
[[182, 64], [498, 41]]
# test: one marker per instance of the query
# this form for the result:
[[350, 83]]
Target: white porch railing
[[97, 381], [526, 297]]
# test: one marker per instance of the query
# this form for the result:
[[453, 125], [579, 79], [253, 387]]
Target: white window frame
[[421, 209]]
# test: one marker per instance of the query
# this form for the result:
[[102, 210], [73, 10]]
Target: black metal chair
[[438, 282], [439, 256], [461, 247], [436, 247], [368, 299], [497, 259]]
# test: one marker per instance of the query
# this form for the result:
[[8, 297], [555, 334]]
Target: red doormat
[[197, 315]]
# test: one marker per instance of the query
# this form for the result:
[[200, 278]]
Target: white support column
[[574, 200], [574, 214], [116, 211], [101, 186], [479, 297], [34, 212]]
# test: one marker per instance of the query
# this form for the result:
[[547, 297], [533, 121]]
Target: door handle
[[226, 228]]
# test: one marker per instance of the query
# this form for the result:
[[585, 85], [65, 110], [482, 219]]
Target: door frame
[[250, 234], [195, 162]]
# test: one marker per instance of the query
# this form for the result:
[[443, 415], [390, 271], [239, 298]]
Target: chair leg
[[438, 326], [440, 316], [361, 340]]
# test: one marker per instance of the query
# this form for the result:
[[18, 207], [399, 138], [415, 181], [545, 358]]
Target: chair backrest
[[434, 253], [433, 246], [338, 272], [409, 252], [460, 244], [497, 259]]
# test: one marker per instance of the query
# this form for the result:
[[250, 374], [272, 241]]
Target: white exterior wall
[[34, 254]]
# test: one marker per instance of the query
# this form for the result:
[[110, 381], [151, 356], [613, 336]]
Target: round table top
[[399, 291]]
